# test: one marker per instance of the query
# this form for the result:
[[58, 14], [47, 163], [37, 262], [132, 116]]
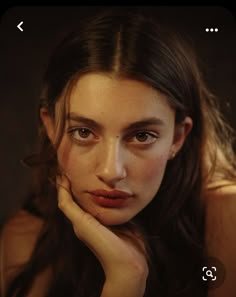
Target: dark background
[[24, 56]]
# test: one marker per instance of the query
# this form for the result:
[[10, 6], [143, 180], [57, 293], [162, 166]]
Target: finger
[[85, 225], [65, 201], [96, 236], [78, 217]]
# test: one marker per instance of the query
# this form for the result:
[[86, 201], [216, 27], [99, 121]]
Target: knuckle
[[140, 268], [76, 230], [62, 204]]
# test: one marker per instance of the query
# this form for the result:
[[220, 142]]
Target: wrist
[[125, 285]]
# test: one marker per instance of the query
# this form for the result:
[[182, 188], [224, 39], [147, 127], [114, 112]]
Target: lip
[[109, 202], [115, 194]]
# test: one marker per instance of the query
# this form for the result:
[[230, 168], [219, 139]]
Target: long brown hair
[[130, 45]]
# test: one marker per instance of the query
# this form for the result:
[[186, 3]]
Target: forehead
[[99, 94]]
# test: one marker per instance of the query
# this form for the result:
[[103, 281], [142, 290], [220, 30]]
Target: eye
[[81, 134], [145, 137]]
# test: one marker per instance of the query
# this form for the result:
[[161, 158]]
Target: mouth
[[114, 194], [110, 201]]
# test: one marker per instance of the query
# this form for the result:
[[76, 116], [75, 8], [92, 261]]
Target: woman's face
[[119, 135]]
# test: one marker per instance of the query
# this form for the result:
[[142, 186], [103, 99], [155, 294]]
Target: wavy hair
[[131, 45]]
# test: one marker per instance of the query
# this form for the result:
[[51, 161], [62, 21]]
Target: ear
[[181, 131], [48, 123]]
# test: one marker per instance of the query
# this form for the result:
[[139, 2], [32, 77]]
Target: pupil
[[84, 133], [142, 136]]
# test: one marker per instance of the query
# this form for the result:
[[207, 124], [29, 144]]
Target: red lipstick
[[111, 194], [114, 198]]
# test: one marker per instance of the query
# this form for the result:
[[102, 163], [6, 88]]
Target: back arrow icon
[[19, 26]]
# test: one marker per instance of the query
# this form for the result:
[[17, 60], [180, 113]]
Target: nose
[[111, 166]]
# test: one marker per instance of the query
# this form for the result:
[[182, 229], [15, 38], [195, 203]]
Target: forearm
[[126, 287]]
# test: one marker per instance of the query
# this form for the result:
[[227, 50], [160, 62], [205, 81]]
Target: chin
[[106, 216], [109, 220]]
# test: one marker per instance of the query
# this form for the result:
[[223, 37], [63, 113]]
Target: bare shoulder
[[221, 203], [18, 238], [221, 234]]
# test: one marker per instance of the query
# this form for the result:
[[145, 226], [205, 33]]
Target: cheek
[[153, 169], [64, 156], [72, 161], [67, 157]]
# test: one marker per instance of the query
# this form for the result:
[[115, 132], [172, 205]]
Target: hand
[[122, 256]]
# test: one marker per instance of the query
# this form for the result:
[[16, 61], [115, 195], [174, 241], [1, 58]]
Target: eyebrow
[[139, 124]]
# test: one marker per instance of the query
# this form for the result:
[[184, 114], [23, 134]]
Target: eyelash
[[72, 132]]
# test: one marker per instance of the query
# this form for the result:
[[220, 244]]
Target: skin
[[124, 264], [113, 157]]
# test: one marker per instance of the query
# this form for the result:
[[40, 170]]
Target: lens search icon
[[213, 273], [209, 273]]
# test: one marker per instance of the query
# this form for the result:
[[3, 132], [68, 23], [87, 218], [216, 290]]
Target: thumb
[[100, 239]]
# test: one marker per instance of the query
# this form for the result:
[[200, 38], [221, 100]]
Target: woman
[[132, 149]]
